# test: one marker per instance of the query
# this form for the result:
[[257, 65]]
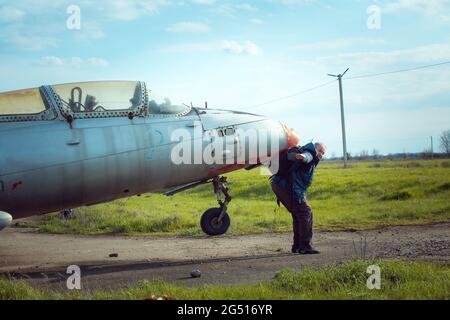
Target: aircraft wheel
[[210, 224]]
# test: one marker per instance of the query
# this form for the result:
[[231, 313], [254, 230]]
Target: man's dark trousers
[[302, 218]]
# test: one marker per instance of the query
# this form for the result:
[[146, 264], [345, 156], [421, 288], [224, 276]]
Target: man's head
[[320, 149]]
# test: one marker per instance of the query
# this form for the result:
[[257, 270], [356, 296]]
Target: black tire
[[209, 223]]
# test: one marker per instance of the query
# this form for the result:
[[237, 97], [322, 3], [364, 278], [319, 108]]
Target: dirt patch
[[43, 258]]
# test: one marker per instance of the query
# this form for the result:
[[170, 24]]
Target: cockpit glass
[[100, 96], [164, 106], [27, 101]]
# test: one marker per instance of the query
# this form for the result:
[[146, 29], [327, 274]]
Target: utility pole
[[432, 153], [344, 139]]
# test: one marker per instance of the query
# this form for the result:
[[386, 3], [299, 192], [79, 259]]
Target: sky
[[256, 56]]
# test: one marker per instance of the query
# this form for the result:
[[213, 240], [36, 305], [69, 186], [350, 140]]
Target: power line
[[348, 78], [398, 71], [289, 96], [418, 139]]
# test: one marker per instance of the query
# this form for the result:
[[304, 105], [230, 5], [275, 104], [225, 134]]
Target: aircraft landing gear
[[216, 221], [66, 214]]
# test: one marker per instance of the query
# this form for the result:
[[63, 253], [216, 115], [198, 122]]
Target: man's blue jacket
[[301, 173]]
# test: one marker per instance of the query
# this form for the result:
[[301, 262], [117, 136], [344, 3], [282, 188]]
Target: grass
[[399, 280], [368, 195]]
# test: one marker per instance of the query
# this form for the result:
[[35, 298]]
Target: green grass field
[[368, 195], [399, 280]]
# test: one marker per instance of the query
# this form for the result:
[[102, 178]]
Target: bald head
[[320, 149]]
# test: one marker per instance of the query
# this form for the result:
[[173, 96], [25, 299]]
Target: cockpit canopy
[[27, 101], [100, 96], [99, 99]]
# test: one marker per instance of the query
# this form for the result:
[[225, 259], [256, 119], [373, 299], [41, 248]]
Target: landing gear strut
[[216, 221], [66, 214]]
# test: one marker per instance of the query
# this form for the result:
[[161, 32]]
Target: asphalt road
[[42, 259]]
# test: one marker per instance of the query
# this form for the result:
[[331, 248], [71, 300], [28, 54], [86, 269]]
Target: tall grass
[[399, 280], [369, 194]]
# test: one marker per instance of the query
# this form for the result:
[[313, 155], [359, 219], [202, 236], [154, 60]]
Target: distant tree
[[364, 154], [426, 153], [375, 153], [445, 142]]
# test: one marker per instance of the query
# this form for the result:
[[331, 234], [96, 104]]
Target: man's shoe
[[294, 250], [308, 251]]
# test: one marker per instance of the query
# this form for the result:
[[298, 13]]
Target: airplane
[[70, 145]]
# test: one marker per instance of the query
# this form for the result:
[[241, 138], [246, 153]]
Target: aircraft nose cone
[[292, 138], [5, 219]]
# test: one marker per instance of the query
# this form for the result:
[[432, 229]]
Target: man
[[290, 189]]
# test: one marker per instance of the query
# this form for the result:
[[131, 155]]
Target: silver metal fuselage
[[47, 166]]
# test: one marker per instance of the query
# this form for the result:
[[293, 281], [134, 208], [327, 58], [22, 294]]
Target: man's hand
[[300, 156]]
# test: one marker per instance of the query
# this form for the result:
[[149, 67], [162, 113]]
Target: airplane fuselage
[[51, 164], [48, 166]]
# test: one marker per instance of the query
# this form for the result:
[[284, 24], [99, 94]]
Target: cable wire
[[347, 78], [289, 96], [397, 71]]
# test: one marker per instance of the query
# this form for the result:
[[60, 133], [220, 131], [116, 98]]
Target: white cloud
[[40, 6], [97, 62], [403, 90], [291, 2], [73, 62], [124, 10], [11, 14], [21, 36], [437, 8], [30, 43], [373, 60], [204, 1], [246, 48], [256, 21], [232, 9], [244, 7], [128, 10], [187, 26], [45, 23], [231, 47], [194, 47], [52, 61], [90, 31], [339, 44]]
